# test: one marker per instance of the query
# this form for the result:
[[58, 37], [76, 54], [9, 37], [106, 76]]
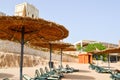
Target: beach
[[84, 72]]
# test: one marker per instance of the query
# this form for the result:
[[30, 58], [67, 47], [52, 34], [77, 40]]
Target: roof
[[86, 42]]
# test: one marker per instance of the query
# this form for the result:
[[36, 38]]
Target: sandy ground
[[84, 74]]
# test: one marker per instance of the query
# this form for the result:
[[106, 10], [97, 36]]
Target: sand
[[84, 74]]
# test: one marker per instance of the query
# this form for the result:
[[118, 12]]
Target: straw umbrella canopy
[[108, 51], [46, 44], [11, 27], [112, 50], [24, 29], [71, 48], [95, 52], [56, 45]]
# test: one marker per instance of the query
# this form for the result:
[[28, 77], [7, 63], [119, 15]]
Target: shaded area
[[86, 71], [107, 67], [78, 77], [5, 75]]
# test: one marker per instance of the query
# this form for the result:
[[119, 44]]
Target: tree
[[79, 47], [94, 46]]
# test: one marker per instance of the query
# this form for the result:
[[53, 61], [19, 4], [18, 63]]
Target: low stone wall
[[10, 55], [69, 59], [13, 60]]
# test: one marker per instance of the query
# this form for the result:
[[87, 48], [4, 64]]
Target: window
[[32, 15]]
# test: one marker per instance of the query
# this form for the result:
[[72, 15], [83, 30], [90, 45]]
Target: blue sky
[[85, 19]]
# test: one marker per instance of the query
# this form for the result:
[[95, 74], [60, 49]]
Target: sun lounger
[[71, 68], [47, 75], [64, 70], [58, 71], [38, 75], [5, 79], [52, 73], [26, 77], [91, 66], [102, 70], [115, 76]]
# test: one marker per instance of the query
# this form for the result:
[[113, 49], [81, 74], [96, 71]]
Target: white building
[[2, 14], [26, 9]]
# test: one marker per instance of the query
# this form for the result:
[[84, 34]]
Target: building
[[2, 14], [83, 43], [85, 58], [25, 9], [112, 56]]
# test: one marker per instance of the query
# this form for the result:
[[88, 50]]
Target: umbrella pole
[[50, 62], [22, 51], [81, 45], [97, 60], [109, 61], [116, 58], [61, 58]]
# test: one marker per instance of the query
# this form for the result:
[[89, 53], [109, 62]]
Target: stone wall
[[10, 55], [13, 60]]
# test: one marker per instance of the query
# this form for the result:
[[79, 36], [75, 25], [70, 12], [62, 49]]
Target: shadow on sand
[[107, 67], [5, 75], [77, 77], [85, 71]]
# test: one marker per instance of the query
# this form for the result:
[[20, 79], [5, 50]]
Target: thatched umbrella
[[24, 29], [71, 48], [112, 50], [56, 45], [66, 48], [107, 51], [11, 26]]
